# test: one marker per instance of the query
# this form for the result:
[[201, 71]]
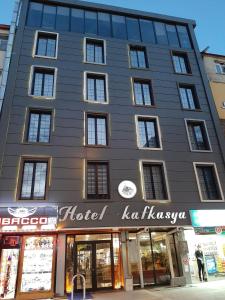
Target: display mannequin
[[200, 261]]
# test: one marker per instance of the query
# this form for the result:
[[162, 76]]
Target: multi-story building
[[108, 124], [215, 69], [4, 34]]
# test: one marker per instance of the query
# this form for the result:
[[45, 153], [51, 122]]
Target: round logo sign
[[127, 189], [218, 230]]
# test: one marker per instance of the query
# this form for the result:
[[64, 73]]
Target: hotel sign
[[97, 215], [27, 218]]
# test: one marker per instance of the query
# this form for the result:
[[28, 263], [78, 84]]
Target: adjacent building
[[110, 153], [4, 34], [215, 69]]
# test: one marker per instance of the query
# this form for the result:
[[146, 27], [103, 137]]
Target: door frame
[[94, 275]]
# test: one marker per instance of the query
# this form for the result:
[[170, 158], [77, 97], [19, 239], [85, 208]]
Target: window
[[46, 44], [3, 42], [172, 35], [181, 64], [188, 97], [49, 16], [77, 20], [63, 18], [155, 186], [220, 68], [96, 88], [208, 182], [183, 36], [91, 22], [148, 133], [95, 51], [198, 136], [97, 180], [160, 30], [39, 127], [142, 92], [34, 179], [133, 30], [147, 31], [35, 14], [96, 130], [104, 24], [119, 27], [43, 82], [138, 57]]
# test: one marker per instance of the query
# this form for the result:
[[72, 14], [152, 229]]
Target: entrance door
[[94, 260]]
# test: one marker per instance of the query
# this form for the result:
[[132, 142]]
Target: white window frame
[[206, 131], [85, 51], [158, 131], [196, 164], [221, 66], [146, 57], [86, 73], [142, 80], [163, 164], [36, 44], [33, 67]]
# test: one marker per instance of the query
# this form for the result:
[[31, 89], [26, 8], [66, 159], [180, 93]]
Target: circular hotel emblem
[[127, 189], [218, 230]]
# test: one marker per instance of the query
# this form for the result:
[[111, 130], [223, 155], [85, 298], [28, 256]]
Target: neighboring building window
[[188, 97], [95, 51], [208, 182], [39, 127], [97, 130], [0, 76], [34, 179], [154, 181], [46, 44], [43, 82], [142, 92], [138, 57], [97, 180], [3, 42], [198, 136], [148, 135], [180, 62], [96, 88], [220, 68]]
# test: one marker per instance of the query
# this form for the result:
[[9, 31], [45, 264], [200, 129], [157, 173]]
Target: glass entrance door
[[94, 261]]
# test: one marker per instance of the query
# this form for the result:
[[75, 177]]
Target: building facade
[[108, 124], [215, 69]]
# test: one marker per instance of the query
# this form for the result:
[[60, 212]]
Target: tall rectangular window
[[46, 44], [138, 57], [188, 97], [104, 24], [91, 22], [34, 14], [77, 20], [161, 35], [198, 136], [43, 82], [148, 135], [96, 130], [208, 182], [96, 88], [172, 35], [49, 16], [95, 51], [34, 179], [180, 62], [147, 31], [39, 127], [184, 37], [119, 27], [142, 92], [63, 18], [154, 181], [133, 29], [97, 180]]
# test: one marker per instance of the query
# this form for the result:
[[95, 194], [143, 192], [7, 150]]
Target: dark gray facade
[[66, 148]]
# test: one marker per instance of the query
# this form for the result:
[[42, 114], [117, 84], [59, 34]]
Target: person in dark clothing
[[200, 262]]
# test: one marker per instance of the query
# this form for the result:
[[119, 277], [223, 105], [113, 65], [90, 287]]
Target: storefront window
[[37, 264], [69, 262], [118, 271]]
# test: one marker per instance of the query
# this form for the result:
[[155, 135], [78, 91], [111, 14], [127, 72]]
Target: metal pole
[[84, 286]]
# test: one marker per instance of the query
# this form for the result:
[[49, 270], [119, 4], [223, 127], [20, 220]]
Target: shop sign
[[115, 214], [208, 218], [19, 218], [127, 189], [209, 230]]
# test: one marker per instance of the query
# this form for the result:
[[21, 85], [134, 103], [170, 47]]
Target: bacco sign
[[22, 216]]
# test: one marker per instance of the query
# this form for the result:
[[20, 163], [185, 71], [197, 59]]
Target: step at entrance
[[79, 296]]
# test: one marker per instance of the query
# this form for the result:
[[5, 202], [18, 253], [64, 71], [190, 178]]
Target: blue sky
[[209, 15]]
